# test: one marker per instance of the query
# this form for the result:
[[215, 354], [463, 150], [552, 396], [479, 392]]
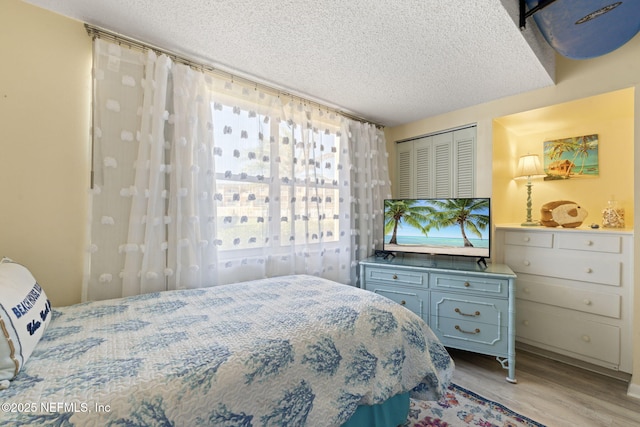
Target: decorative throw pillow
[[25, 313]]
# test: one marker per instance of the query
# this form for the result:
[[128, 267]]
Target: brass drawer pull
[[457, 310], [395, 277], [477, 331], [403, 302], [467, 284]]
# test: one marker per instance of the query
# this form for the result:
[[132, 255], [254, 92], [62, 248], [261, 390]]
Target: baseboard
[[622, 376], [633, 390]]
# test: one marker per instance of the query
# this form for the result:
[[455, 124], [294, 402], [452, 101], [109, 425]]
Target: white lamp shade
[[529, 167]]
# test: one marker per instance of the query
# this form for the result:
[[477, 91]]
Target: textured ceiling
[[389, 62]]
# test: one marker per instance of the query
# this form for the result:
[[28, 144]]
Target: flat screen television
[[445, 226]]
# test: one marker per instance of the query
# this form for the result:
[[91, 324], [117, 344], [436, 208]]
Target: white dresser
[[575, 290]]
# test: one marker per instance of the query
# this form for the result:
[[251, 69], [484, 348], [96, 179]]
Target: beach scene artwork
[[575, 157]]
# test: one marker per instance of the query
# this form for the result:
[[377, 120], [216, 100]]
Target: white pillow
[[25, 313]]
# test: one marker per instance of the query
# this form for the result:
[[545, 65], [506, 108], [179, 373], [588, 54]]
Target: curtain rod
[[96, 32], [440, 132]]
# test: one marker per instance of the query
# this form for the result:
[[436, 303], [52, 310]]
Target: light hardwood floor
[[550, 392]]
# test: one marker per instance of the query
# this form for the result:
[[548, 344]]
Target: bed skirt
[[392, 412]]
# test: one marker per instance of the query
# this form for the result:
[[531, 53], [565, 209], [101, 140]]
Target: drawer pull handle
[[467, 284], [403, 302], [476, 331], [587, 301], [589, 243], [586, 338], [527, 239], [525, 322], [395, 277], [477, 313], [588, 270], [526, 290], [527, 263]]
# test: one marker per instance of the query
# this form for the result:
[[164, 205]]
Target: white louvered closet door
[[423, 157], [437, 166], [405, 170], [464, 142], [443, 171]]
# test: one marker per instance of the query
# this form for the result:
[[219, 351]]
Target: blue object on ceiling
[[583, 29]]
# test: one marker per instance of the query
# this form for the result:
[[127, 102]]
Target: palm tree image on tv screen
[[451, 226]]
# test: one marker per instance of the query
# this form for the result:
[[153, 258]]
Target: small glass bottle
[[612, 215]]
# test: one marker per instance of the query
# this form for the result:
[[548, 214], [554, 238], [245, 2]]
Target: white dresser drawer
[[397, 276], [525, 238], [569, 333], [572, 265], [590, 242], [574, 298]]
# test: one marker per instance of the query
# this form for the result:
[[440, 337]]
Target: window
[[276, 185]]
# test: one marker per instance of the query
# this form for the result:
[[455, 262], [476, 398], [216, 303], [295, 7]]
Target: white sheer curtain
[[201, 181], [369, 187]]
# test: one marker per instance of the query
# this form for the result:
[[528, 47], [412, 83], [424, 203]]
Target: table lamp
[[529, 168]]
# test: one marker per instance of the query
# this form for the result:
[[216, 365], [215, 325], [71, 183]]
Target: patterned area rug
[[461, 407]]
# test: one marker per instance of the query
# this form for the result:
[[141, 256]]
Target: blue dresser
[[468, 307]]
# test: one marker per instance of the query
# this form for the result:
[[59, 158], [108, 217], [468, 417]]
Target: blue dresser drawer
[[489, 311], [396, 276], [471, 335], [477, 285], [415, 300], [470, 322]]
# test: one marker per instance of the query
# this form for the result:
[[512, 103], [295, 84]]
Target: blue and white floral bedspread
[[286, 351]]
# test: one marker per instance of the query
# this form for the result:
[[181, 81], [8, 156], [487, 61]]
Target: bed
[[286, 351]]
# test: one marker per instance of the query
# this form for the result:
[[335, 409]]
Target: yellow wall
[[45, 94], [609, 115], [576, 80]]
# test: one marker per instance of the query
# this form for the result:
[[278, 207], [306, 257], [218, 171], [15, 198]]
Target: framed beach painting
[[575, 157]]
